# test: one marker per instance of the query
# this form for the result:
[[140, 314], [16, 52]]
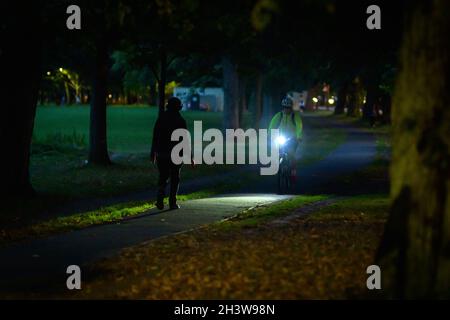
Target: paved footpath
[[32, 265], [29, 264]]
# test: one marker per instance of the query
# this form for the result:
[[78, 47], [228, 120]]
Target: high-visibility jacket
[[289, 124]]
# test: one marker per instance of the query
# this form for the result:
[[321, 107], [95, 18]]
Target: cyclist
[[290, 125]]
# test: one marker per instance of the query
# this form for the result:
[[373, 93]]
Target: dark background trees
[[260, 49]]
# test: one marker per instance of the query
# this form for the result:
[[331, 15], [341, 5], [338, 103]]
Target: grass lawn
[[130, 128], [323, 255], [60, 142], [59, 151]]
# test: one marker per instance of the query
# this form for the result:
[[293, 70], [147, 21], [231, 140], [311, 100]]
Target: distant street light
[[331, 101], [315, 100]]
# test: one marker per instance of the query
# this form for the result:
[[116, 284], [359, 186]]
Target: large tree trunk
[[415, 252], [98, 147], [231, 94], [20, 59], [162, 81], [258, 99]]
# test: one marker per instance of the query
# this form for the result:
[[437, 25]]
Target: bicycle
[[284, 170]]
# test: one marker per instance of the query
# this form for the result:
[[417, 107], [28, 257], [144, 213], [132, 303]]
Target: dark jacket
[[165, 125]]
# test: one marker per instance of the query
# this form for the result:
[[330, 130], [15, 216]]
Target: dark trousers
[[168, 170]]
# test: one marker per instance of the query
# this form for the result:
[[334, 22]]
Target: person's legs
[[164, 172], [174, 184]]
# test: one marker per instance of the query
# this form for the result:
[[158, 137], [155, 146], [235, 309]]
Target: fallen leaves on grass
[[306, 259]]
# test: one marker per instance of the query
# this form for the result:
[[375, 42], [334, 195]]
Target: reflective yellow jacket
[[289, 124]]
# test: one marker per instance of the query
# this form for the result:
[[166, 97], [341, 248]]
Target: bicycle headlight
[[281, 140]]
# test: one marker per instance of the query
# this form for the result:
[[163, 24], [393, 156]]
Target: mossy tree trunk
[[415, 252]]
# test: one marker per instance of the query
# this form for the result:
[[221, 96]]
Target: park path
[[34, 265], [357, 152], [31, 265]]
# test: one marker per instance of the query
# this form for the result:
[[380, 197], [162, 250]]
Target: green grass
[[256, 216], [59, 151], [372, 206], [67, 174], [130, 129], [379, 128], [76, 221]]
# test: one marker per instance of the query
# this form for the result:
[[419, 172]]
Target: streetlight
[[331, 101]]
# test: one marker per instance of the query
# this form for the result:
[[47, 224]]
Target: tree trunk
[[341, 99], [258, 99], [271, 104], [371, 98], [162, 81], [67, 90], [231, 94], [20, 54], [355, 99], [98, 147], [386, 107], [414, 254], [242, 99], [309, 104], [153, 100]]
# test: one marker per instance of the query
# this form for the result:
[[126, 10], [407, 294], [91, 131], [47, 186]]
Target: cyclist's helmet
[[287, 103]]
